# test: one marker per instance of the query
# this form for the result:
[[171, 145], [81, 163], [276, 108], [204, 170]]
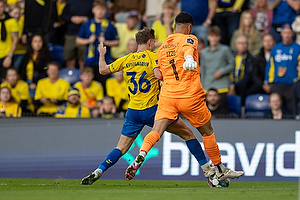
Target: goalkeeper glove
[[189, 63]]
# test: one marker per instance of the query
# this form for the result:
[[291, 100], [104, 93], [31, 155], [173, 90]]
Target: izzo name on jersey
[[171, 53]]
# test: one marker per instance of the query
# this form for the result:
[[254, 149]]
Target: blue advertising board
[[265, 150]]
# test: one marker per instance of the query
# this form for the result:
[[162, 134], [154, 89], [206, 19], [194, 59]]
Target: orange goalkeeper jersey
[[178, 83]]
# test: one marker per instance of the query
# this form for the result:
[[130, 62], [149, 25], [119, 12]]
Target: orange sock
[[149, 141], [212, 149]]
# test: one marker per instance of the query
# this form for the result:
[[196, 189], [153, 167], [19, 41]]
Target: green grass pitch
[[66, 189]]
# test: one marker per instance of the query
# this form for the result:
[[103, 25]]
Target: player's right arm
[[103, 67]]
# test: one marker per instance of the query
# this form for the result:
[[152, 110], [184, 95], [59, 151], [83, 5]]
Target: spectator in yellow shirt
[[72, 108], [19, 91], [8, 39], [91, 92], [50, 92], [8, 108]]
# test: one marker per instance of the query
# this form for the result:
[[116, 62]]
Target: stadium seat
[[70, 75], [57, 52], [234, 105], [256, 105]]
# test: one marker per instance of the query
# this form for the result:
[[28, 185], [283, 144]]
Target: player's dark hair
[[144, 35], [184, 18]]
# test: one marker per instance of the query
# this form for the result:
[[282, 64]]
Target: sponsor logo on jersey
[[156, 61], [283, 57], [167, 46], [136, 57], [169, 41]]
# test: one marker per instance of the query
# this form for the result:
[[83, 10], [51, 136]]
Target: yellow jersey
[[142, 86], [12, 109], [58, 90], [91, 95], [118, 91], [20, 92], [11, 26], [68, 110]]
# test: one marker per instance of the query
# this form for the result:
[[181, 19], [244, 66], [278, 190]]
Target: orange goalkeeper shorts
[[193, 109]]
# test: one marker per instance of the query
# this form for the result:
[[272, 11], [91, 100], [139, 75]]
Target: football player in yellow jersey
[[72, 108], [139, 69], [182, 92], [19, 91], [50, 92], [91, 92]]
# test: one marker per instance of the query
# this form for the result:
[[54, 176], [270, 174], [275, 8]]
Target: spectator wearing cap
[[72, 108], [126, 31], [281, 69]]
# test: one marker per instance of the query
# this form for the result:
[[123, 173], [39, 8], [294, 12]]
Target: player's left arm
[[103, 67]]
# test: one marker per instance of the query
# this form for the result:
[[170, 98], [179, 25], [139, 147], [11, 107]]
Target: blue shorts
[[135, 120]]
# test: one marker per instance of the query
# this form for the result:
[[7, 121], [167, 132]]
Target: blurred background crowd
[[249, 54]]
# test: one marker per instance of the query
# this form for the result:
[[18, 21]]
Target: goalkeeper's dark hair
[[184, 18], [144, 35]]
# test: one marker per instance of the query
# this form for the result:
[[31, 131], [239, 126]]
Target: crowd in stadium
[[245, 47]]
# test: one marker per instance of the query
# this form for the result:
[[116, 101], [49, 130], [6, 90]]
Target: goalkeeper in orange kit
[[182, 92]]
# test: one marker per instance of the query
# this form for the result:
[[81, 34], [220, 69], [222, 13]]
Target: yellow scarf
[[30, 67], [91, 48]]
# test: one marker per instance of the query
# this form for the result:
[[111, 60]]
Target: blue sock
[[196, 149], [111, 159]]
